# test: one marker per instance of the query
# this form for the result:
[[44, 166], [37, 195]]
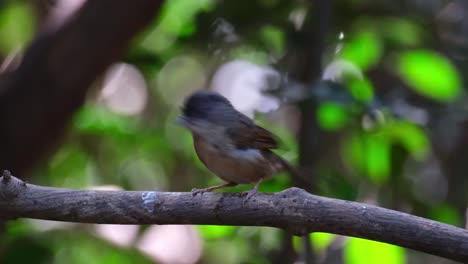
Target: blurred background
[[366, 96]]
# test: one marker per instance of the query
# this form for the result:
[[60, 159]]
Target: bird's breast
[[240, 166]]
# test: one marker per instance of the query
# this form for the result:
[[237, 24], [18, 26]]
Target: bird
[[229, 143]]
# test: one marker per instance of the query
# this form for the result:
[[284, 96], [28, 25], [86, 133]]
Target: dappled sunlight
[[243, 83], [124, 90], [120, 235], [340, 69], [171, 244], [62, 10], [179, 77], [46, 225]]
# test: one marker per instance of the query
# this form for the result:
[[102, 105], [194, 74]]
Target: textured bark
[[294, 210]]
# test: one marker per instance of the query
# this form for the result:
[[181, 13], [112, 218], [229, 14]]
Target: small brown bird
[[229, 143]]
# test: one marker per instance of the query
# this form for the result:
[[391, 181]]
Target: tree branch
[[294, 210]]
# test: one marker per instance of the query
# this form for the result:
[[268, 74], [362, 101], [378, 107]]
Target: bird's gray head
[[208, 114], [207, 105]]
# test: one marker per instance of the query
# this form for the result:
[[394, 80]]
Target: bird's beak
[[182, 121]]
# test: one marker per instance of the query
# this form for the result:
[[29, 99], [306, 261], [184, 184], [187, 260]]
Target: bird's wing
[[248, 135]]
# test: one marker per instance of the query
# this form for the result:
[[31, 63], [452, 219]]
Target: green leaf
[[278, 183], [402, 31], [79, 247], [177, 16], [430, 74], [16, 25], [446, 214], [321, 240], [297, 243], [377, 158], [410, 136], [274, 38], [69, 167], [13, 249], [331, 116], [18, 228], [353, 152], [369, 154], [216, 231], [98, 120], [177, 19], [361, 89], [359, 251], [364, 49]]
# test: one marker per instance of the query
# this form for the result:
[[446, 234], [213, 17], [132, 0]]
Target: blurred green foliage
[[16, 25], [321, 240], [363, 49], [94, 119], [331, 116], [371, 154], [176, 20], [367, 251], [430, 74], [400, 89], [361, 89], [446, 214]]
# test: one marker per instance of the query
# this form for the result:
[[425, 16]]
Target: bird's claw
[[249, 195], [196, 191]]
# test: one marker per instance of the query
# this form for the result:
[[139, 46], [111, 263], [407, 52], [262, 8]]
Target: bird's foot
[[196, 191], [249, 195], [214, 188], [252, 192]]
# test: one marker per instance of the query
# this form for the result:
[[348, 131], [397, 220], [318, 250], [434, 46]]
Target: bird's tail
[[297, 172]]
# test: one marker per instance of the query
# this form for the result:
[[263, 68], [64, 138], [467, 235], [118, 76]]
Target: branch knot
[[10, 186], [6, 176]]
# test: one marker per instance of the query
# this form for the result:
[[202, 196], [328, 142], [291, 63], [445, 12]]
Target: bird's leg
[[253, 191], [214, 188]]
